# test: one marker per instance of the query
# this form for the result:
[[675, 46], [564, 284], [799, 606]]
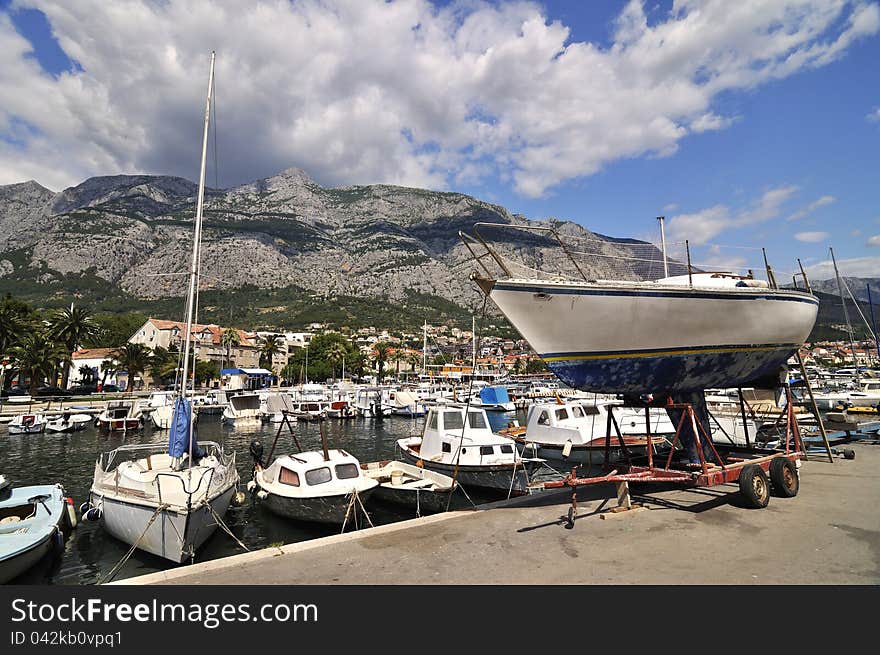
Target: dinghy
[[412, 486]]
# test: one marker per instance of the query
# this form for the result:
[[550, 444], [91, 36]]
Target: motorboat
[[867, 394], [121, 416], [341, 409], [496, 399], [310, 410], [169, 498], [67, 422], [369, 403], [212, 402], [409, 485], [242, 409], [26, 424], [313, 486], [460, 444], [406, 403], [33, 521]]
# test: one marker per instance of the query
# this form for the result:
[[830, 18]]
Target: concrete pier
[[828, 534]]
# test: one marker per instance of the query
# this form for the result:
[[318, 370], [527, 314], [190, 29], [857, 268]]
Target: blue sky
[[762, 130]]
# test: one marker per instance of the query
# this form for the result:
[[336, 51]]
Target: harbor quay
[[829, 534]]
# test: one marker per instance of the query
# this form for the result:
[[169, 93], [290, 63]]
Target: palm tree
[[71, 327], [37, 356], [230, 339], [383, 353], [335, 354], [270, 345], [415, 361], [133, 358], [85, 374]]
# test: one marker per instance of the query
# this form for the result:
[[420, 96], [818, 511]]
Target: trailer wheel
[[754, 486], [849, 453], [784, 477]]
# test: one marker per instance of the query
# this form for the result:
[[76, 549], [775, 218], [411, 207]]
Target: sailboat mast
[[852, 344], [662, 220], [197, 237], [425, 348], [873, 322]]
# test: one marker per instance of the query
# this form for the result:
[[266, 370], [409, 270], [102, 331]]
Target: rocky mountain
[[133, 234], [858, 286]]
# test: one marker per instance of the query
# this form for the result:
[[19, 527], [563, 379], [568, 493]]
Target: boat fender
[[71, 513], [84, 507], [238, 499], [262, 495], [58, 540], [566, 449], [93, 514], [256, 450], [251, 486]]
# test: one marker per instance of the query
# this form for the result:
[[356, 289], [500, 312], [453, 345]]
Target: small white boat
[[3, 482], [161, 417], [341, 409], [406, 403], [67, 422], [463, 446], [32, 524], [369, 403], [121, 416], [242, 409], [26, 424], [413, 486], [313, 486]]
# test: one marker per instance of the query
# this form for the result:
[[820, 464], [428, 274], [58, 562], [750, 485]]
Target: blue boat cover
[[494, 395], [178, 440]]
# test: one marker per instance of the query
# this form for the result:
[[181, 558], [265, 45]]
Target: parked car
[[83, 389], [15, 390], [54, 392], [110, 388]]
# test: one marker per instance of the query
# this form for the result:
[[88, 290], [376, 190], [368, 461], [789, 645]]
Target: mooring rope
[[121, 563], [225, 527]]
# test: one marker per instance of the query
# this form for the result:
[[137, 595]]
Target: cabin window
[[446, 447], [577, 412], [476, 421], [318, 476], [487, 450], [432, 421], [289, 477], [544, 418], [507, 449], [590, 410], [453, 421], [346, 471], [561, 414]]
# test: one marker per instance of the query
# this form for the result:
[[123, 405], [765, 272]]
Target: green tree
[[206, 371], [536, 366], [164, 364], [270, 345], [336, 353], [134, 358], [114, 329], [229, 339], [70, 328], [37, 356], [383, 354]]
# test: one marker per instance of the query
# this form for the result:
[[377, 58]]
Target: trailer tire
[[754, 486], [784, 477], [849, 454]]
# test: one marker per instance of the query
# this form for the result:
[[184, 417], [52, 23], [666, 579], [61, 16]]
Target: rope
[[121, 563], [225, 527], [355, 497]]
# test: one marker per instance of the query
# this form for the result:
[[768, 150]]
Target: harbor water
[[90, 553]]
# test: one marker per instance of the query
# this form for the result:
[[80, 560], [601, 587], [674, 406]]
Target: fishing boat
[[312, 486], [26, 424], [32, 524], [168, 498], [682, 333], [458, 442], [369, 403], [341, 409], [409, 485], [121, 416]]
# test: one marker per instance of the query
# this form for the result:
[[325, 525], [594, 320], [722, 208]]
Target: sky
[[746, 124]]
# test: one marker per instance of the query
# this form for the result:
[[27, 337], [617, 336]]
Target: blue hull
[[637, 373]]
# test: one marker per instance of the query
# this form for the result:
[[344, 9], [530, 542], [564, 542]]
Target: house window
[[289, 477], [318, 476], [346, 471]]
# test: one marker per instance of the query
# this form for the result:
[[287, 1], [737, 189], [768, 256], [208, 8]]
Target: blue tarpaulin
[[178, 440], [494, 395]]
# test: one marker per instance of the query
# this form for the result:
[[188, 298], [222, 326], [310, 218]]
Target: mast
[[474, 347], [197, 236], [425, 348], [661, 220], [873, 322], [849, 329]]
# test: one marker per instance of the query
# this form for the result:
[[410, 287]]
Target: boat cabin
[[450, 429], [309, 474], [583, 423]]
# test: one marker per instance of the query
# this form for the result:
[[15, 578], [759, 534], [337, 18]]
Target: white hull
[[620, 337]]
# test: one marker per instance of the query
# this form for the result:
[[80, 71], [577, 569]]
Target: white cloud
[[702, 226], [874, 115], [813, 206], [855, 267], [873, 241], [811, 237], [358, 91], [671, 207]]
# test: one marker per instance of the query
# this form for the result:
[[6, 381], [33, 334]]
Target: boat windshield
[[477, 421]]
